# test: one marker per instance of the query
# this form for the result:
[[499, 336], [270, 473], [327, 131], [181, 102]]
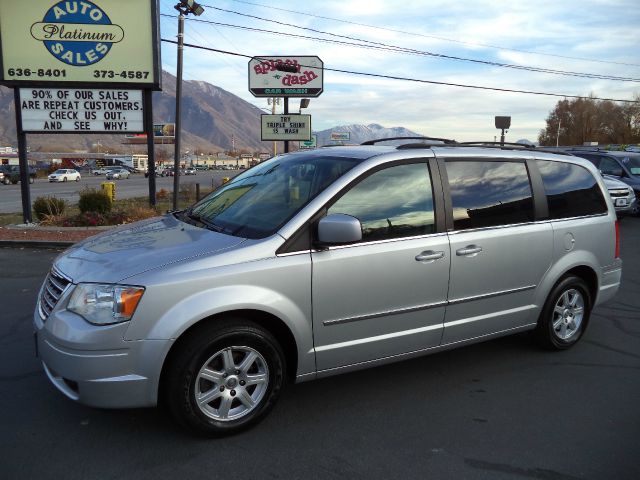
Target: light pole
[[185, 7], [503, 123]]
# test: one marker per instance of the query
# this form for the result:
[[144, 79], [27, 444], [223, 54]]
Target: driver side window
[[391, 203]]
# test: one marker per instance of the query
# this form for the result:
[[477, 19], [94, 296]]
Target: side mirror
[[339, 228]]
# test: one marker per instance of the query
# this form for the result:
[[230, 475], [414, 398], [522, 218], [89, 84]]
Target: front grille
[[54, 286], [619, 193]]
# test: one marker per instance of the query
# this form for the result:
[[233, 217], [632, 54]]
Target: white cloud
[[600, 30]]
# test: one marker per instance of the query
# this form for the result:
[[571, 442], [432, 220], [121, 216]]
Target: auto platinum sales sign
[[59, 110], [100, 42], [286, 127], [285, 76]]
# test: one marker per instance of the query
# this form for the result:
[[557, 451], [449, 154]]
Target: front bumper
[[94, 365]]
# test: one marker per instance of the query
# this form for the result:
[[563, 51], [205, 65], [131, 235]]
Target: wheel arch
[[274, 325]]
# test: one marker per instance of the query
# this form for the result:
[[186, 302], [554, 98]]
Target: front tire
[[565, 315], [64, 179], [224, 378]]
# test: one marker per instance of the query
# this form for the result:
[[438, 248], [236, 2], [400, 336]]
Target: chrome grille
[[619, 193], [54, 286]]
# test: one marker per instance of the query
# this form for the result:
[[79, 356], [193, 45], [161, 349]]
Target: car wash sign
[[79, 41], [285, 76]]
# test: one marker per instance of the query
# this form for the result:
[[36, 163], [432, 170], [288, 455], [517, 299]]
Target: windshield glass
[[256, 203], [632, 163]]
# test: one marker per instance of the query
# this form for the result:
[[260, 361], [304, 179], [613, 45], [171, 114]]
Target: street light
[[185, 7]]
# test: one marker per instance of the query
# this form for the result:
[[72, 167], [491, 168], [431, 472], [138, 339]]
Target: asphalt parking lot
[[498, 410]]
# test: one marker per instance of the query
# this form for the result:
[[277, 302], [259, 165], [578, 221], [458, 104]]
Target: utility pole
[[185, 7], [558, 133]]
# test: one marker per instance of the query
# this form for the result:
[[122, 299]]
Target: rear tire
[[565, 315], [225, 377]]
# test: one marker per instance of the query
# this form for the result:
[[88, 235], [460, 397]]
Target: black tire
[[554, 330], [6, 181], [209, 346], [77, 179], [64, 179]]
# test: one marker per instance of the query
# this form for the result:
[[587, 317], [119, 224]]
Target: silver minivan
[[322, 262]]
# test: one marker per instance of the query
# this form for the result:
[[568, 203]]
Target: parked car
[[622, 195], [118, 174], [64, 175], [190, 171], [623, 166], [323, 262], [10, 174]]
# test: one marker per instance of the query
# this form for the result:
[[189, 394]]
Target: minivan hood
[[139, 247]]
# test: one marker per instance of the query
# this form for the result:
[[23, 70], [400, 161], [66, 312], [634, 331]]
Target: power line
[[393, 48], [434, 36], [417, 80]]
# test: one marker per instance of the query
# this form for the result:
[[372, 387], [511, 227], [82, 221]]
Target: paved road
[[134, 186], [498, 410]]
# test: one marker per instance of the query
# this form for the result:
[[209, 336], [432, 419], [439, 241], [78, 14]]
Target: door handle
[[429, 256], [469, 250]]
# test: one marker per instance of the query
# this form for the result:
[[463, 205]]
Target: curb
[[47, 244]]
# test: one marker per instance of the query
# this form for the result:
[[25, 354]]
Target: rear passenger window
[[487, 194], [572, 191], [391, 203]]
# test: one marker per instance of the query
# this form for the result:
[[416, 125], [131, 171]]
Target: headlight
[[105, 304]]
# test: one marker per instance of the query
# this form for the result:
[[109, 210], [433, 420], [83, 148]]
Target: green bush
[[94, 201], [45, 207]]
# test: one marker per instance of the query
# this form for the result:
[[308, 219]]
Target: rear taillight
[[617, 239]]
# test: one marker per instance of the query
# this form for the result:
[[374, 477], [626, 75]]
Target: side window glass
[[572, 191], [487, 194], [391, 203]]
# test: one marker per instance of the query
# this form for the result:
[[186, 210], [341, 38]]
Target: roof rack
[[446, 141], [498, 144]]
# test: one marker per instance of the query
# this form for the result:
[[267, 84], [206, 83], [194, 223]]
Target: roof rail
[[446, 141], [498, 144]]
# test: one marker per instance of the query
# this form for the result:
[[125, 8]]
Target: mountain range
[[214, 120]]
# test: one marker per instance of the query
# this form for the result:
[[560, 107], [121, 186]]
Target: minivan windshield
[[256, 203]]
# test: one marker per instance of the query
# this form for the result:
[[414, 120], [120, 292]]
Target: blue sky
[[595, 37]]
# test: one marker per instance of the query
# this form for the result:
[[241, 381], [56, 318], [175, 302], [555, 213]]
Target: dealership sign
[[99, 42], [286, 76], [286, 127], [59, 110]]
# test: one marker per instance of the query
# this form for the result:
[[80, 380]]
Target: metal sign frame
[[153, 84], [304, 116], [299, 91]]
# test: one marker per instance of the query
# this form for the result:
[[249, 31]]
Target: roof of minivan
[[364, 152]]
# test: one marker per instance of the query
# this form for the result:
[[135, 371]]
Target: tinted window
[[391, 203], [571, 190], [486, 194]]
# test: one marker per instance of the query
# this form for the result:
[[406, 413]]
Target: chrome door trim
[[490, 295], [338, 321], [376, 338], [384, 314]]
